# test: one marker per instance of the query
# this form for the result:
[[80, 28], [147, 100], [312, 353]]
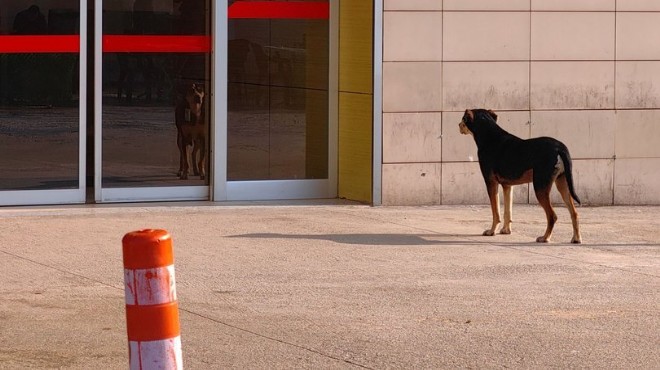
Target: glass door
[[153, 100], [42, 102], [280, 123]]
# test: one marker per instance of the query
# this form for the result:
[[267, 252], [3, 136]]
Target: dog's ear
[[492, 114], [469, 114]]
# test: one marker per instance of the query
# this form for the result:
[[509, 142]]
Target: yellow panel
[[355, 146], [356, 46]]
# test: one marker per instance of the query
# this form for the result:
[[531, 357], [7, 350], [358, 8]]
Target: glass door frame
[[224, 190], [129, 194], [63, 196]]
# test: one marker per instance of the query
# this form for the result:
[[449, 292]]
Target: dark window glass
[[146, 93], [39, 114], [277, 94]]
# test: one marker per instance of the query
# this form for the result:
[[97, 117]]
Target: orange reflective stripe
[[147, 248], [148, 323]]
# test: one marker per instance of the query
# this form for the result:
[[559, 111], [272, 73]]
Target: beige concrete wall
[[586, 72]]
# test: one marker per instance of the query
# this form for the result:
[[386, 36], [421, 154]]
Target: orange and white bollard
[[152, 313]]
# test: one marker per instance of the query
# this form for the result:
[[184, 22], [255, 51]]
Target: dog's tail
[[568, 171]]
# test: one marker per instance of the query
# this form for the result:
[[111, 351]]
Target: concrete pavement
[[325, 285]]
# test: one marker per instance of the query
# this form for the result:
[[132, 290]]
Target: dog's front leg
[[494, 197], [508, 209], [201, 161], [180, 145]]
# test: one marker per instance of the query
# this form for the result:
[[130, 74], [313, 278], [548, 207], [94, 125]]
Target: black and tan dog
[[192, 130], [508, 160]]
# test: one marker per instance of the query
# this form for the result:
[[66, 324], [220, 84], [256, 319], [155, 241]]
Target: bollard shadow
[[424, 240]]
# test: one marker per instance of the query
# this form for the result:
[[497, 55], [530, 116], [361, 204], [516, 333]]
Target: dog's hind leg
[[179, 143], [201, 159], [193, 157], [204, 154], [562, 186], [508, 209], [494, 197], [184, 162], [543, 196]]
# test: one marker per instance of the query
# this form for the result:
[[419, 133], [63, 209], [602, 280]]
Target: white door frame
[[224, 190], [377, 164], [62, 196], [128, 194]]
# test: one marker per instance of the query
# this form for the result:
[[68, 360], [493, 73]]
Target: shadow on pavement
[[420, 239]]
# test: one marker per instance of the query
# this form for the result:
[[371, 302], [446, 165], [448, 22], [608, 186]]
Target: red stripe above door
[[40, 44], [279, 10], [156, 44], [111, 44], [166, 43]]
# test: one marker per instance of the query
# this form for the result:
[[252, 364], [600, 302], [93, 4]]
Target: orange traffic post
[[152, 312]]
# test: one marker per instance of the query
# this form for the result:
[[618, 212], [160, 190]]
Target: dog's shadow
[[418, 240], [356, 239]]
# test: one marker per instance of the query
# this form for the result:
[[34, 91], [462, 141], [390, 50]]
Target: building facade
[[586, 72], [152, 100]]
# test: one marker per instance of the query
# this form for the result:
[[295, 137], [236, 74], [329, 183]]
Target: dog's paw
[[488, 232], [542, 239], [576, 241], [505, 231]]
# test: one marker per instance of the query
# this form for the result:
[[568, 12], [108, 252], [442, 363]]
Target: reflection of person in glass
[[30, 22]]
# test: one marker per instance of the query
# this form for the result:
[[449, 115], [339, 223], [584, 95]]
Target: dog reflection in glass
[[192, 130]]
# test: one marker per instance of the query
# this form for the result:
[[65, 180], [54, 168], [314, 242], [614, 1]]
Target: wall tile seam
[[526, 10], [572, 158], [624, 60], [653, 11], [638, 11], [616, 54], [542, 11], [532, 60], [532, 110], [412, 11], [412, 111], [529, 60], [411, 61], [442, 77], [408, 162], [529, 74]]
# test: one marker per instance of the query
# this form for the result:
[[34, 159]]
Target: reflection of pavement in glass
[[39, 148], [263, 146], [139, 148]]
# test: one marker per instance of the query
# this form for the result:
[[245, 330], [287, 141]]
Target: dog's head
[[195, 97], [473, 117]]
